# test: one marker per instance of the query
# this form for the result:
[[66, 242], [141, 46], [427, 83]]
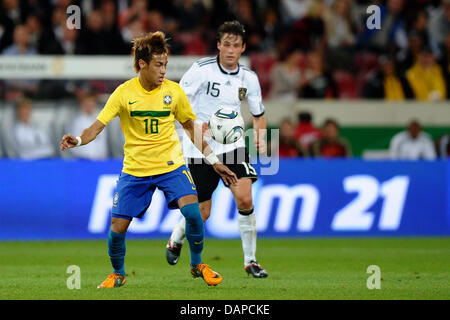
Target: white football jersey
[[210, 87]]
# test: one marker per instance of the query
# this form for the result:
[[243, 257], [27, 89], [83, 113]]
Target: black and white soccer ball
[[226, 126]]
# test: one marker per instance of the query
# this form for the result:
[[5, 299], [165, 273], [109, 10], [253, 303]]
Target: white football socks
[[178, 234], [247, 228]]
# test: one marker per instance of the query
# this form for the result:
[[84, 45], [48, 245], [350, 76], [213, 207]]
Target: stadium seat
[[365, 62], [346, 84]]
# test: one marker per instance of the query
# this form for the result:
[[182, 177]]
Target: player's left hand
[[225, 173]]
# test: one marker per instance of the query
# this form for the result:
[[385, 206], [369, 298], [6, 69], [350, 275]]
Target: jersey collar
[[143, 89], [225, 71]]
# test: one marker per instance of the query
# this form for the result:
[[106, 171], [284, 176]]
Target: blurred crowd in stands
[[304, 139], [27, 139], [299, 48], [312, 49]]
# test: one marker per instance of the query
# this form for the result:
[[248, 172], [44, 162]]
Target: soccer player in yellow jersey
[[147, 107]]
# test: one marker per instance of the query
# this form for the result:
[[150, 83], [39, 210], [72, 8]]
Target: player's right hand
[[226, 174], [67, 142]]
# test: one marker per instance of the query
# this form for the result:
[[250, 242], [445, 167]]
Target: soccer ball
[[226, 126]]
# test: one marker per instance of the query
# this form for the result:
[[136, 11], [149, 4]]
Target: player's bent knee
[[119, 225], [244, 202], [188, 199]]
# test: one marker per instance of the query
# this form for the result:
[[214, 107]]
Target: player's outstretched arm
[[259, 127], [69, 141], [195, 133]]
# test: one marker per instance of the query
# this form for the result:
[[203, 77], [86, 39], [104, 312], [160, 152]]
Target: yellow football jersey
[[148, 122]]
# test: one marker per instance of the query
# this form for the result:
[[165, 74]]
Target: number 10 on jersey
[[153, 126]]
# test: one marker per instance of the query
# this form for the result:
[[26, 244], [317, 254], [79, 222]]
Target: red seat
[[365, 62]]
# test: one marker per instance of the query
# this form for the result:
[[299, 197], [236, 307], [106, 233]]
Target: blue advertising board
[[71, 199]]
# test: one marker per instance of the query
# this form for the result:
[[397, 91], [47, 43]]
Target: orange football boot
[[203, 270], [114, 280]]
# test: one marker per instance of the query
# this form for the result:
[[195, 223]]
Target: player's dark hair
[[231, 27], [145, 47]]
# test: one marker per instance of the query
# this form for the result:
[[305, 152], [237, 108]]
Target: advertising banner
[[72, 199]]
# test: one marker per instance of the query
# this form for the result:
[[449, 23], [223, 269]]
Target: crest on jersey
[[242, 92], [167, 100], [116, 197]]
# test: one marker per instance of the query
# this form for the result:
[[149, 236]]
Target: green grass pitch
[[411, 268]]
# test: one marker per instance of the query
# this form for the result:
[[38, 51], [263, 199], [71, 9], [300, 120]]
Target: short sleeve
[[191, 82], [183, 110], [112, 107], [254, 97]]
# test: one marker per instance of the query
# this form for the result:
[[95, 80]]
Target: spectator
[[305, 132], [308, 33], [316, 81], [331, 145], [443, 146], [288, 146], [29, 140], [439, 22], [444, 62], [95, 40], [98, 148], [190, 14], [408, 56], [110, 30], [286, 76], [425, 77], [60, 40], [412, 144], [272, 30], [245, 12], [419, 25], [386, 83], [21, 39], [14, 11], [338, 24], [34, 27], [17, 88], [340, 38], [137, 7]]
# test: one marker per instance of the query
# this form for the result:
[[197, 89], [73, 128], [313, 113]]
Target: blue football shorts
[[134, 194]]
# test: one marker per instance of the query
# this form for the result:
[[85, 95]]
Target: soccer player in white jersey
[[210, 84]]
